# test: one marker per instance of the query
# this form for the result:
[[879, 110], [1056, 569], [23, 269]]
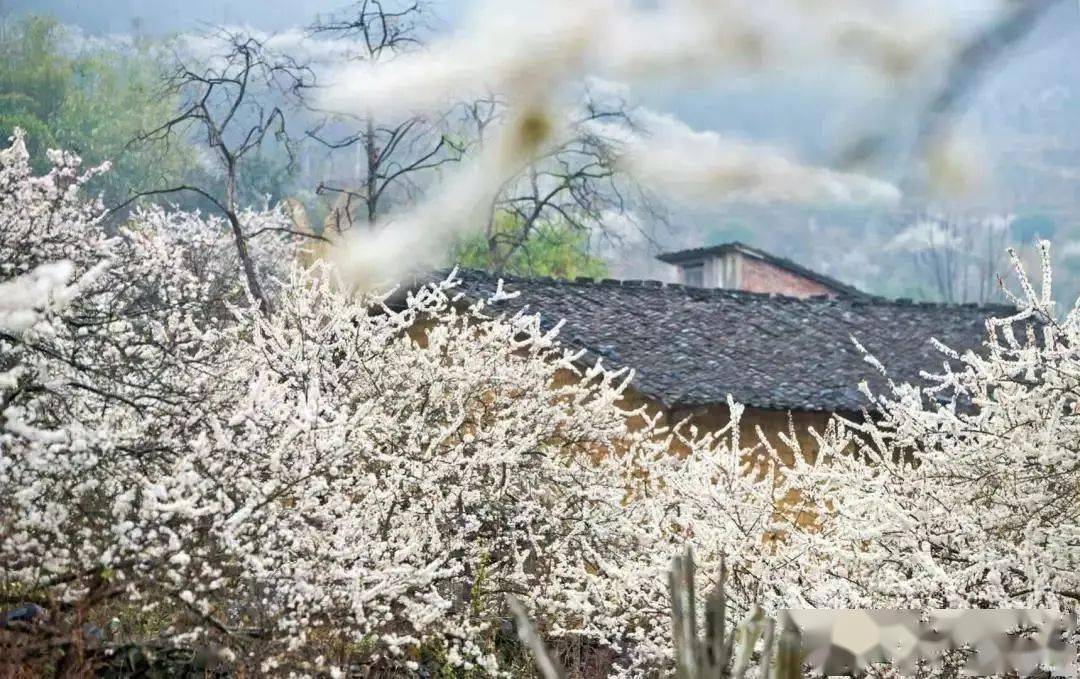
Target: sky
[[168, 16], [162, 17], [804, 112]]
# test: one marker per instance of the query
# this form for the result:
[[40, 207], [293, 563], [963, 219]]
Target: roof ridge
[[781, 262], [652, 283]]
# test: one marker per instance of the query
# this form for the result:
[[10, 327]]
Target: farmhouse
[[737, 266], [775, 349]]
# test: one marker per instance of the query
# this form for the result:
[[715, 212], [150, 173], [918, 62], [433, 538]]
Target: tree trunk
[[372, 169], [241, 242]]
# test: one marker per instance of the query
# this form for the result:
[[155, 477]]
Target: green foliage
[[33, 65], [34, 80], [93, 103], [117, 96], [555, 249]]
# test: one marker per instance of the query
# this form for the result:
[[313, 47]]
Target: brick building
[[736, 266]]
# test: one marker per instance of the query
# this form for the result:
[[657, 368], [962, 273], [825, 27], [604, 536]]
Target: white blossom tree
[[958, 494], [349, 483], [98, 380], [970, 498], [336, 484]]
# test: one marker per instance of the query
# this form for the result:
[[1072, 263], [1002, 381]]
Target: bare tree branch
[[228, 104], [397, 153]]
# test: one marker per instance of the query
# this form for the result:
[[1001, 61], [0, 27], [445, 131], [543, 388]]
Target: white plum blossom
[[349, 470], [356, 478], [968, 495]]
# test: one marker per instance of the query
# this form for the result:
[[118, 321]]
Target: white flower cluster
[[340, 470], [348, 481], [970, 495]]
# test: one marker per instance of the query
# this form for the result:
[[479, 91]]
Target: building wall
[[772, 423], [760, 276], [715, 417]]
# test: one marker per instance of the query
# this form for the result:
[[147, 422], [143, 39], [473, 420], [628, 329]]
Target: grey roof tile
[[694, 346]]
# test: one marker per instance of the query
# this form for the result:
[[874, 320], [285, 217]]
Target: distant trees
[[960, 257], [93, 100], [35, 82]]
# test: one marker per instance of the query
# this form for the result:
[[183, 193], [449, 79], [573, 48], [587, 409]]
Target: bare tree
[[382, 31], [577, 185], [233, 103], [963, 256], [395, 155]]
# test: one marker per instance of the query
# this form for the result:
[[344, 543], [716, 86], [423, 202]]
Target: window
[[694, 274]]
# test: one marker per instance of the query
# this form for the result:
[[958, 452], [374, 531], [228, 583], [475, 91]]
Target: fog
[[1018, 126]]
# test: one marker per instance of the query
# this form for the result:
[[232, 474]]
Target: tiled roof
[[787, 264], [693, 346]]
